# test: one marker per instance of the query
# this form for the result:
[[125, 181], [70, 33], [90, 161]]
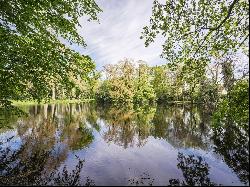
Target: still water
[[84, 144]]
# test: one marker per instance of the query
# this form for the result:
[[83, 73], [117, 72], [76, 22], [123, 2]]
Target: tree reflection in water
[[180, 126], [231, 130], [232, 143], [195, 171], [127, 127], [45, 138], [145, 179], [52, 131], [36, 168]]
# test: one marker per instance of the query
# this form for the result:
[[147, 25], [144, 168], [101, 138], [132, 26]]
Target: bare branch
[[244, 40]]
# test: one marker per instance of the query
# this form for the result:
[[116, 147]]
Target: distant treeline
[[137, 83]]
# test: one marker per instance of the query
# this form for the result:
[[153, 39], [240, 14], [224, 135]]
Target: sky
[[117, 36]]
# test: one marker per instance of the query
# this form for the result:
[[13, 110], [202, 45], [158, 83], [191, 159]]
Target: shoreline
[[59, 101]]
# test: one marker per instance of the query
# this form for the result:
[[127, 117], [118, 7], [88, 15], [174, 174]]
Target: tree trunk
[[54, 93], [228, 74]]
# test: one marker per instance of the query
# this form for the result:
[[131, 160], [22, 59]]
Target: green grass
[[32, 102]]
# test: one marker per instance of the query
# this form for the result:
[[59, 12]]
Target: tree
[[231, 129], [159, 83], [120, 84], [228, 75], [127, 83], [182, 82], [144, 92], [192, 75], [32, 48], [234, 107], [199, 29]]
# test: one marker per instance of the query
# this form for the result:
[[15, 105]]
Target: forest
[[205, 49]]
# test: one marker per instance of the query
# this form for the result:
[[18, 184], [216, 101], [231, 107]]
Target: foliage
[[182, 83], [198, 33], [144, 92], [228, 74], [231, 129], [31, 45], [125, 84], [161, 84], [199, 29], [9, 114], [137, 83], [120, 84], [209, 93], [102, 94], [234, 107]]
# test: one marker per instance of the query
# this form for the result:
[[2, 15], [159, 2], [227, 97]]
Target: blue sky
[[117, 36]]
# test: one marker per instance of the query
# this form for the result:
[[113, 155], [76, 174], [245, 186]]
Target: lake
[[86, 144]]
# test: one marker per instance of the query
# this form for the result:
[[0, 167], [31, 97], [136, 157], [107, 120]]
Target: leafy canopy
[[196, 29], [234, 107], [31, 49], [127, 82]]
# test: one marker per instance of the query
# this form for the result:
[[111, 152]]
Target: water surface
[[90, 145]]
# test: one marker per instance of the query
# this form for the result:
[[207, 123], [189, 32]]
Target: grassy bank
[[32, 102]]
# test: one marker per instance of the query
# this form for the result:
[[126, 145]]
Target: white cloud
[[117, 35]]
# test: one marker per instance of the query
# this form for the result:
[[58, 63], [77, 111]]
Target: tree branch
[[228, 15], [244, 40], [216, 28]]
